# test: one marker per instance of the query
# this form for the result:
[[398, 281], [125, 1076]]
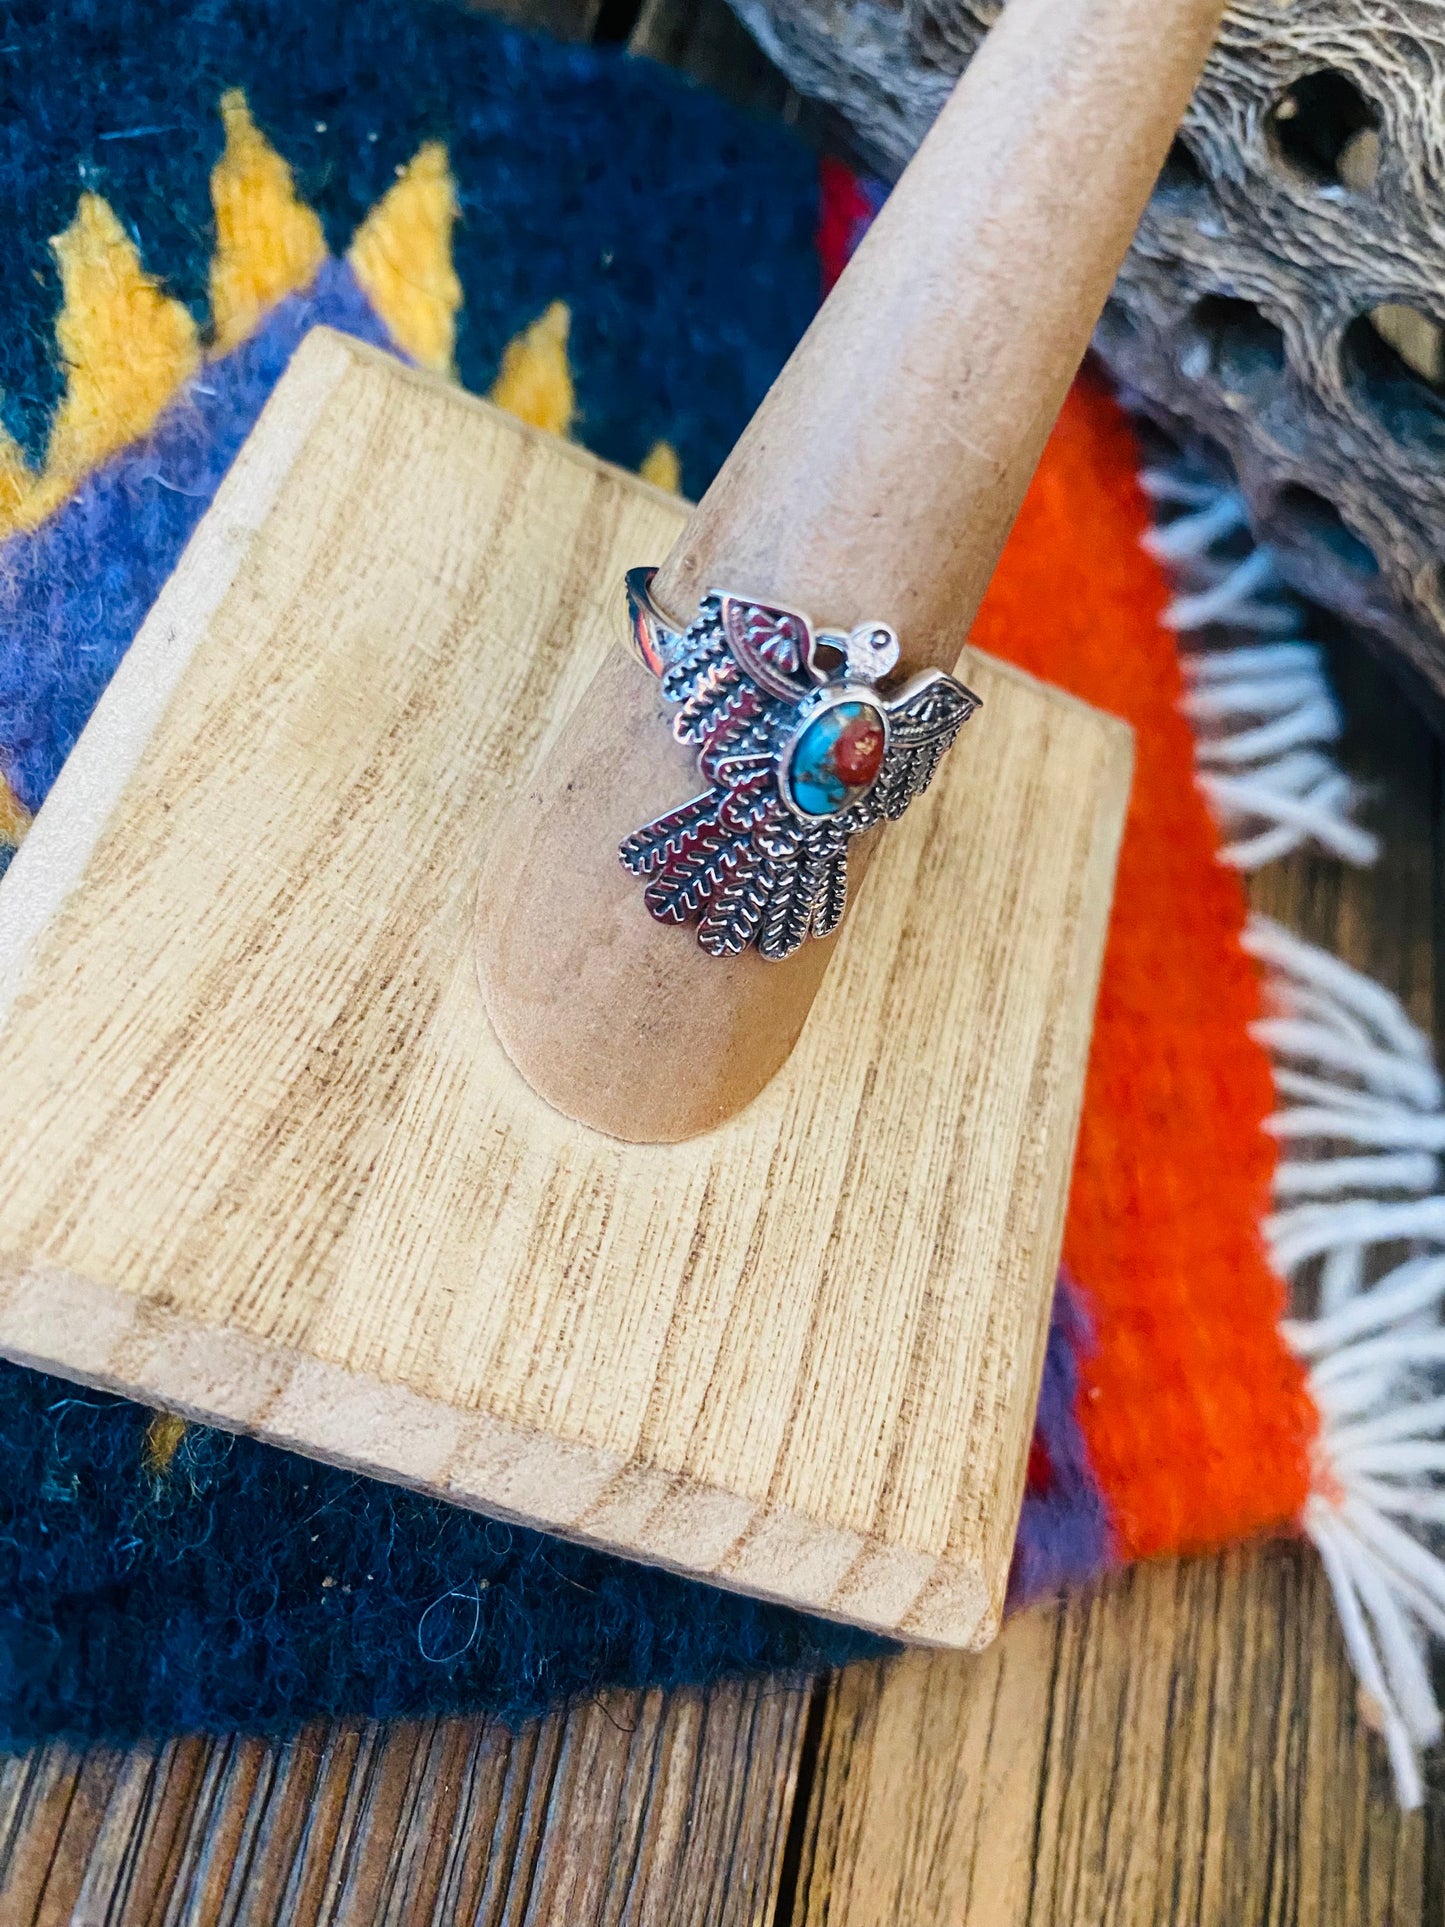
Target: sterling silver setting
[[801, 749]]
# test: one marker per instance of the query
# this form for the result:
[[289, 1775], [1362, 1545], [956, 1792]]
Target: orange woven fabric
[[1198, 1421]]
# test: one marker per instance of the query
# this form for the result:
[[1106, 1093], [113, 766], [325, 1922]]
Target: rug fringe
[[1256, 688], [1361, 1123]]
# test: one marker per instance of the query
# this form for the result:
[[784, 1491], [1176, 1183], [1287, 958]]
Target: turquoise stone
[[837, 758]]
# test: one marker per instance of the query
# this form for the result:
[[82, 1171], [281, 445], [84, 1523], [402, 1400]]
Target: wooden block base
[[262, 1160]]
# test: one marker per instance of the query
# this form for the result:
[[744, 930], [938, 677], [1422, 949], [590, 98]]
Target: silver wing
[[922, 722], [737, 673]]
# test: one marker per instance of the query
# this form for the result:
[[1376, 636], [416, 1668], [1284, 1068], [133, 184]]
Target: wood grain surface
[[633, 1809], [263, 1160], [1281, 1785], [1178, 1747]]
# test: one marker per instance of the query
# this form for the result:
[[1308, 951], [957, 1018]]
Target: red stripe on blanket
[[1197, 1418]]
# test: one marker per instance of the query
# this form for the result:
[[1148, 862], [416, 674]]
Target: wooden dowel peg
[[878, 481]]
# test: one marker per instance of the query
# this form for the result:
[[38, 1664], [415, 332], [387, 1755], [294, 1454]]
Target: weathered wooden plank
[[926, 1786], [1211, 1768], [631, 1809], [1180, 1747]]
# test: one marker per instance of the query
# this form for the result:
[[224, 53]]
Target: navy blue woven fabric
[[245, 1587], [679, 231], [230, 1584]]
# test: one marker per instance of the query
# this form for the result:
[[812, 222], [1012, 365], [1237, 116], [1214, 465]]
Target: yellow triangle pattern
[[127, 345], [402, 257], [17, 483], [268, 243], [14, 817], [661, 467], [534, 382]]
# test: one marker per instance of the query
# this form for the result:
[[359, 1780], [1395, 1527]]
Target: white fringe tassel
[[1361, 1123], [1256, 691], [1361, 1127]]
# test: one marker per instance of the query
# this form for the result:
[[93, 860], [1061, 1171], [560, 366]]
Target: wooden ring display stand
[[877, 482], [263, 1159]]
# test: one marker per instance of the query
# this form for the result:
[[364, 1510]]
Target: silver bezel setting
[[812, 707]]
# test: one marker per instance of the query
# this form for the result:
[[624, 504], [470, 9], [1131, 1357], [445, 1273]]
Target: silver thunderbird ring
[[801, 750]]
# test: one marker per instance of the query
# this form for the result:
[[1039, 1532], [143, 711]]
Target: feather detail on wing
[[810, 889], [713, 688], [709, 857], [733, 862], [683, 888], [721, 708], [797, 874], [743, 753], [719, 723], [667, 838], [733, 918], [700, 645], [773, 647], [748, 793], [922, 723], [833, 896]]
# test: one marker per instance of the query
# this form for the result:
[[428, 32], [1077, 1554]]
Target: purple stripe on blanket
[[75, 591], [1064, 1533]]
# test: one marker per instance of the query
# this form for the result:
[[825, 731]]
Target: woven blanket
[[189, 185]]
